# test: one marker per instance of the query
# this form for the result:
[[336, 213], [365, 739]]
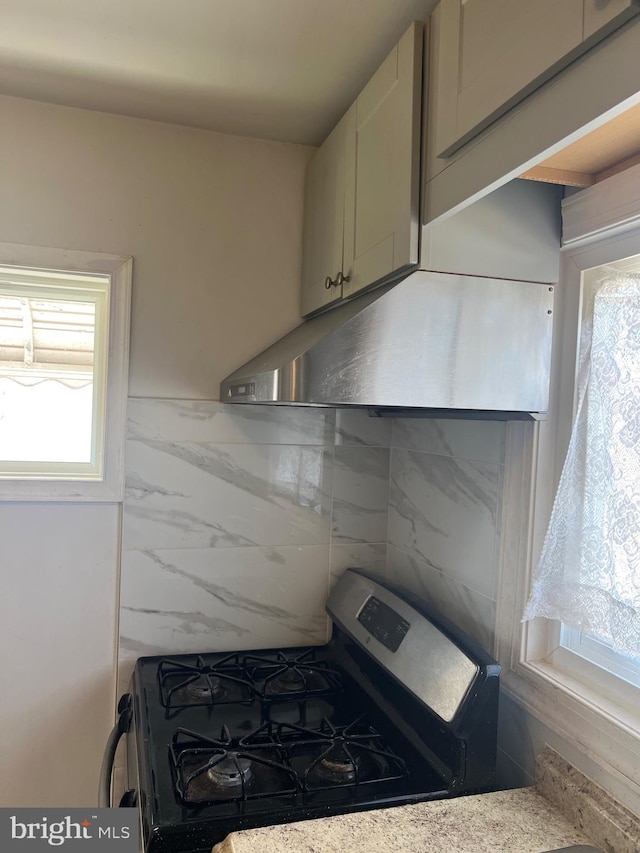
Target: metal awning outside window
[[46, 339]]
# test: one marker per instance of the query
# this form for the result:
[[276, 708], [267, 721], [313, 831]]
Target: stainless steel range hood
[[451, 345]]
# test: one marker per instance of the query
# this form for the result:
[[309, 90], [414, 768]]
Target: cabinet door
[[493, 53], [382, 237], [601, 16], [324, 207]]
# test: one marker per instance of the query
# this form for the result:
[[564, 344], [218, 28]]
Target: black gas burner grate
[[335, 757], [280, 760], [279, 676], [185, 684], [237, 679], [209, 770]]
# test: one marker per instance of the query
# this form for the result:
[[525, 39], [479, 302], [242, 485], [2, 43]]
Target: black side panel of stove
[[477, 725], [138, 744]]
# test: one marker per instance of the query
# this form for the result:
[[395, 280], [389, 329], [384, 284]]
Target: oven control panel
[[404, 641], [387, 626]]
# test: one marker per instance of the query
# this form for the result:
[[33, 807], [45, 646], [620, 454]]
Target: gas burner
[[185, 684], [209, 770], [337, 768], [280, 677], [205, 689], [330, 757], [290, 680], [229, 770]]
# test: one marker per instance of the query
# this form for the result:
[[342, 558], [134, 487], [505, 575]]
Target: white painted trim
[[118, 378], [577, 657], [565, 706], [607, 209], [111, 487]]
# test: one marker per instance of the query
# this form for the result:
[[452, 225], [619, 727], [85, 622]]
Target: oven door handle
[[106, 771]]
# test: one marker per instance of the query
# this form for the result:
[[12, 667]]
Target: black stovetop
[[399, 707], [228, 742]]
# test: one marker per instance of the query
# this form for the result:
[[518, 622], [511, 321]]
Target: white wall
[[213, 223], [57, 615]]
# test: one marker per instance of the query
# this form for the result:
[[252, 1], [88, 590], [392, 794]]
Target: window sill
[[60, 490], [592, 684], [607, 732], [545, 676]]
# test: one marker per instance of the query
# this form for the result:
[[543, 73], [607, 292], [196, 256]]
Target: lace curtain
[[588, 575]]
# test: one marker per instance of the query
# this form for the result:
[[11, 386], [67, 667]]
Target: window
[[601, 660], [583, 689], [589, 646], [53, 365], [64, 320], [588, 575]]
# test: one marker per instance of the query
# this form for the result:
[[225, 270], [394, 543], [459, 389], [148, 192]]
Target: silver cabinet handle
[[339, 280]]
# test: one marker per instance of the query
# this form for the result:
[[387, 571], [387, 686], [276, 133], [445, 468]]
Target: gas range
[[399, 707]]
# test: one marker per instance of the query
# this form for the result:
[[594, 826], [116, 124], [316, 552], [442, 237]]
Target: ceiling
[[274, 69]]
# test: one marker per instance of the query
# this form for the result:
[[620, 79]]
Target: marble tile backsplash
[[202, 420], [444, 512], [360, 494], [194, 599], [444, 516], [237, 521], [207, 495], [471, 611]]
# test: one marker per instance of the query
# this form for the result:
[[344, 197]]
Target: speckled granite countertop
[[518, 821]]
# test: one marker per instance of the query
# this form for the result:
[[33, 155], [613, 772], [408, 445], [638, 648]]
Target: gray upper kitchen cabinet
[[595, 89], [493, 53], [601, 14], [361, 213], [325, 252], [387, 167]]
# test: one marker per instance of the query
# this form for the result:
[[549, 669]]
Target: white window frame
[[110, 487], [594, 711], [593, 649]]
